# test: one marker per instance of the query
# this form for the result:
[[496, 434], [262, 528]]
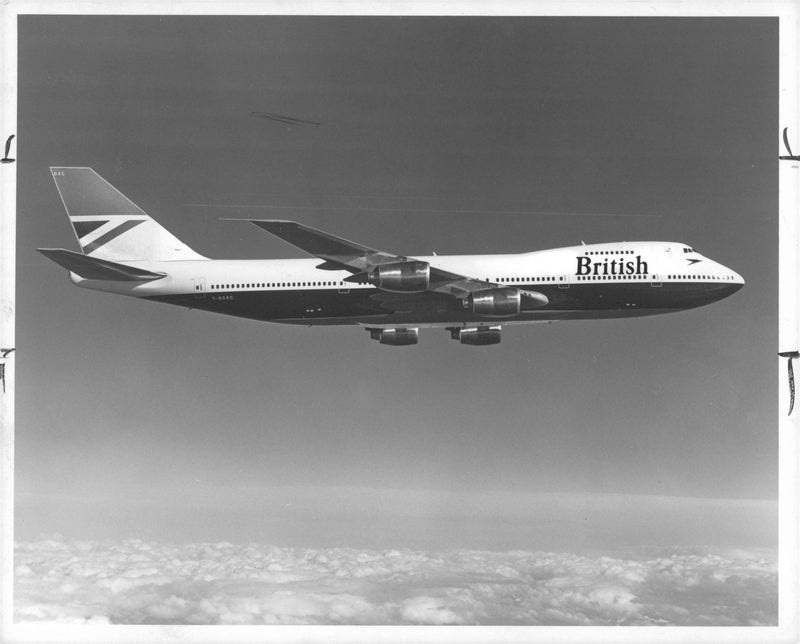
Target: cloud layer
[[137, 582]]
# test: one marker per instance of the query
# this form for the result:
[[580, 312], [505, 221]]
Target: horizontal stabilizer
[[92, 268]]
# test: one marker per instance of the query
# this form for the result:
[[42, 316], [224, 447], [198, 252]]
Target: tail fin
[[110, 226]]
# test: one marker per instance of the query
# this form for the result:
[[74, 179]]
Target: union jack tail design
[[110, 226]]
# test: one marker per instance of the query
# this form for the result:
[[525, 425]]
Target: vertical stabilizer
[[110, 226]]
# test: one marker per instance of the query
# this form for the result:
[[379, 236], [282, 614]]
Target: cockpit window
[[689, 250]]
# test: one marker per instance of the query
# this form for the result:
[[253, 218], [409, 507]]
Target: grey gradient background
[[453, 135]]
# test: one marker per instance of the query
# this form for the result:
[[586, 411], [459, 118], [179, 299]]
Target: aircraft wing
[[342, 254]]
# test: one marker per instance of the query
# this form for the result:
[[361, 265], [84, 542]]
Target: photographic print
[[396, 320]]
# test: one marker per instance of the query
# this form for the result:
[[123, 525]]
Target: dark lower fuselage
[[316, 306]]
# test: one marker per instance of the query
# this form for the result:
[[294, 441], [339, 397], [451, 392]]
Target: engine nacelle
[[395, 337], [496, 302], [401, 277], [476, 336]]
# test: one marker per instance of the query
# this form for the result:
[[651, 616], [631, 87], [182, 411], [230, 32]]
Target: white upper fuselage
[[601, 263]]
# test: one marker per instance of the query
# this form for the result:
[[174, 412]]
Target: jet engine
[[504, 302], [395, 337], [476, 336], [496, 302], [401, 277]]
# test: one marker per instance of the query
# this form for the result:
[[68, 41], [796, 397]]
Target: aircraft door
[[199, 287]]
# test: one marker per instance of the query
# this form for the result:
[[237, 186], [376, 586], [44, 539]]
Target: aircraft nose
[[736, 282], [730, 274]]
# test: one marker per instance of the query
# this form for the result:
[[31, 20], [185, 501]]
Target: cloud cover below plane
[[139, 582]]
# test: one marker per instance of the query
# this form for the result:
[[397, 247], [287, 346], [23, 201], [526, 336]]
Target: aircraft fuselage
[[592, 281]]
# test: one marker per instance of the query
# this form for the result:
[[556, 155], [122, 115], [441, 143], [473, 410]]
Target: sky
[[453, 135]]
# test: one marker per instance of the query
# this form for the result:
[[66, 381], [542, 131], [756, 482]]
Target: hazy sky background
[[147, 405]]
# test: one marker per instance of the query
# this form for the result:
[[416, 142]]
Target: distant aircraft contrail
[[420, 210], [286, 120]]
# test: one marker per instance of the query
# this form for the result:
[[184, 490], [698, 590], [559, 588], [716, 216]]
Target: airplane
[[125, 251]]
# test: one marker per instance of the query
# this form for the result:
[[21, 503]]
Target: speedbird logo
[[611, 266]]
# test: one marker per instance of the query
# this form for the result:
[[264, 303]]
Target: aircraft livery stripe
[[83, 228], [111, 235]]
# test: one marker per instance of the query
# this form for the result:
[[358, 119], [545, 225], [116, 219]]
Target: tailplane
[[93, 268], [110, 226]]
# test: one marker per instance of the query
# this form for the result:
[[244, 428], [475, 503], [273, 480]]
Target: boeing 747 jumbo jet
[[125, 251]]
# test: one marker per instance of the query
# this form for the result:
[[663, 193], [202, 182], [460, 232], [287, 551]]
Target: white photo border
[[789, 266]]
